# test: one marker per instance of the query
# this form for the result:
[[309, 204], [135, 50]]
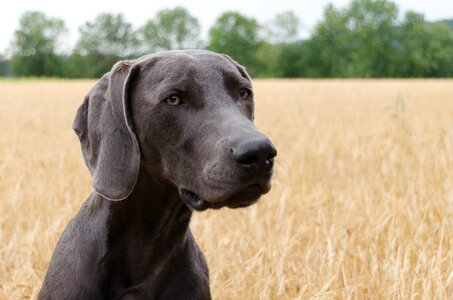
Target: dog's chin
[[243, 198]]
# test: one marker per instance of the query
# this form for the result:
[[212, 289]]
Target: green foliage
[[284, 28], [102, 42], [278, 36], [449, 23], [358, 41], [366, 38], [237, 36], [330, 45], [34, 46], [295, 61], [108, 34], [426, 48], [372, 26], [171, 29], [4, 66], [267, 60]]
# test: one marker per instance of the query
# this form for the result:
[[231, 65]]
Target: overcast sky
[[137, 12]]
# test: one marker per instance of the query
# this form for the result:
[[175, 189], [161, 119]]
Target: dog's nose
[[259, 152]]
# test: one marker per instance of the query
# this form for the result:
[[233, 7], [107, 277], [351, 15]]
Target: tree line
[[364, 39]]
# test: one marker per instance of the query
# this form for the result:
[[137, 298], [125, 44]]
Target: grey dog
[[162, 135]]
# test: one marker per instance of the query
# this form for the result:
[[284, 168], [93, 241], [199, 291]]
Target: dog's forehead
[[201, 65]]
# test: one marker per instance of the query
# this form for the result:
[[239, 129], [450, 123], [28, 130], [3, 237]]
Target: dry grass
[[362, 203]]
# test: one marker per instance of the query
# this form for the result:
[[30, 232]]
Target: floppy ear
[[103, 125]]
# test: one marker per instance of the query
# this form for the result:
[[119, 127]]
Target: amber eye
[[173, 100], [244, 93]]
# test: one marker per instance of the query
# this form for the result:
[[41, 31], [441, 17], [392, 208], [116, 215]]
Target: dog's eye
[[244, 93], [173, 100]]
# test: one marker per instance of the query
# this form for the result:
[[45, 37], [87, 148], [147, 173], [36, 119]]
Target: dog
[[162, 136]]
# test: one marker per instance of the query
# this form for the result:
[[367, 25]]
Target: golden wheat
[[361, 206]]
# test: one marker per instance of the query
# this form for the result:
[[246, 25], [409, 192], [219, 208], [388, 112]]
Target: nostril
[[248, 159], [272, 154], [270, 161]]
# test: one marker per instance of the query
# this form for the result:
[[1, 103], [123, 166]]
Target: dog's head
[[186, 116]]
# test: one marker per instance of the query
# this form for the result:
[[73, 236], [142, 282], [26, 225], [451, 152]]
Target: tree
[[330, 45], [4, 66], [283, 29], [237, 36], [373, 26], [279, 35], [426, 48], [295, 61], [34, 45], [102, 42], [358, 41], [449, 23], [172, 29]]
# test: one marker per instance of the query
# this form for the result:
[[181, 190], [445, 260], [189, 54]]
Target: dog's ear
[[104, 126]]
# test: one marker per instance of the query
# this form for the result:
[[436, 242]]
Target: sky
[[75, 13]]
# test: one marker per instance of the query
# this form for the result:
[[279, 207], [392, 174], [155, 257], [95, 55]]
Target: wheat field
[[361, 205]]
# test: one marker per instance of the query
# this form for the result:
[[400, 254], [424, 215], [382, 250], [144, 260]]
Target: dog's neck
[[153, 219]]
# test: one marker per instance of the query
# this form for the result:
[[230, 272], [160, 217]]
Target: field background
[[361, 206]]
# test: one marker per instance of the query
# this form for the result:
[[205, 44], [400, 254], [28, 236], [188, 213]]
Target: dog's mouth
[[245, 197], [193, 200]]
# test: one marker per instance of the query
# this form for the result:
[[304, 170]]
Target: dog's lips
[[245, 197], [193, 200]]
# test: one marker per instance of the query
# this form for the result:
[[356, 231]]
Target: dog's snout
[[259, 152]]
